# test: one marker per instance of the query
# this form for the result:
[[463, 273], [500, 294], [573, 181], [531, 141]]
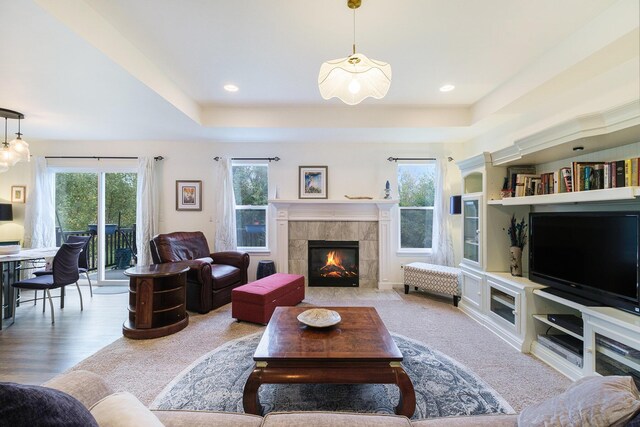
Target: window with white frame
[[416, 189], [250, 184]]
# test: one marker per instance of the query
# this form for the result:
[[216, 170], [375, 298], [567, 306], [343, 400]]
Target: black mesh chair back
[[83, 259], [65, 264]]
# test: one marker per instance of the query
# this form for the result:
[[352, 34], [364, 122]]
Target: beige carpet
[[144, 367]]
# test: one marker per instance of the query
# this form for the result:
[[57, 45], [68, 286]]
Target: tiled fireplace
[[356, 224]]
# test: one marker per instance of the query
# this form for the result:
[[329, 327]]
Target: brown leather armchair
[[211, 277]]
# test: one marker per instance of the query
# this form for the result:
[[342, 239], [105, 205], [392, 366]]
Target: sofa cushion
[[590, 401], [30, 405], [123, 410], [224, 275], [332, 419], [489, 420], [268, 288], [183, 418]]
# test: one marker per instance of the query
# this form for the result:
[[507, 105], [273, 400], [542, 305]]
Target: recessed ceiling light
[[447, 88], [231, 88]]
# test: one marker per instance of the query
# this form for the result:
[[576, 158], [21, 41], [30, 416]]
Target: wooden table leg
[[407, 404], [250, 397]]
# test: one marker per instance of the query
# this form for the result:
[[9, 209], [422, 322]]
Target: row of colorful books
[[580, 176]]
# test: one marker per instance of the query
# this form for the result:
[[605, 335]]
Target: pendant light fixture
[[355, 77], [16, 150]]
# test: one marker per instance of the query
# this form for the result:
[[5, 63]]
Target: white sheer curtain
[[225, 238], [39, 221], [146, 208], [442, 242]]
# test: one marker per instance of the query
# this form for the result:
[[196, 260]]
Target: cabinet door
[[613, 352], [472, 289], [471, 208], [503, 306]]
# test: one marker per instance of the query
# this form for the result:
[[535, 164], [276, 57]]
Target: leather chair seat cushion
[[225, 275]]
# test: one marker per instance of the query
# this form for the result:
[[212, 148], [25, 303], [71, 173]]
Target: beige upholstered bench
[[431, 277]]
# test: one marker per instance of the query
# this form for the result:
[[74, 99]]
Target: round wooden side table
[[157, 300]]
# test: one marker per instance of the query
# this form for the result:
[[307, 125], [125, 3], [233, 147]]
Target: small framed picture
[[18, 193], [188, 195], [312, 182]]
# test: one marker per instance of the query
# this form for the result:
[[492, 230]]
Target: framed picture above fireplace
[[312, 182]]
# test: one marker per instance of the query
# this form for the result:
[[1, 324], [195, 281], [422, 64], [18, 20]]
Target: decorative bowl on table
[[319, 318], [9, 249]]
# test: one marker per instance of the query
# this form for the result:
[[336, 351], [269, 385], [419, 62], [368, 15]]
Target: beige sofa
[[591, 401], [90, 388]]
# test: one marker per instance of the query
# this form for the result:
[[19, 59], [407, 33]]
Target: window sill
[[413, 252], [255, 251]]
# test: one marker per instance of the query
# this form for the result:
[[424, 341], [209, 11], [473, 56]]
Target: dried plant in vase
[[517, 233]]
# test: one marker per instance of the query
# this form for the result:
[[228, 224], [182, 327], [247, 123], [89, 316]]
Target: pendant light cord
[[354, 31], [5, 133]]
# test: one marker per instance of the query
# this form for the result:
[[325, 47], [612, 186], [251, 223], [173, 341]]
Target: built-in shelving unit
[[515, 308]]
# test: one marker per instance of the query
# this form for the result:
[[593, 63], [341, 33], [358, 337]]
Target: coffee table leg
[[250, 398], [407, 404]]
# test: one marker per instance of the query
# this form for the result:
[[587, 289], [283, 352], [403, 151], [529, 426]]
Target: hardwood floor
[[33, 350]]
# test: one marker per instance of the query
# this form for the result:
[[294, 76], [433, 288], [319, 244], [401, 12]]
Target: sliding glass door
[[101, 204]]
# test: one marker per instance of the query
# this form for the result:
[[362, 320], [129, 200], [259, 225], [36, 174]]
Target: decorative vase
[[516, 261]]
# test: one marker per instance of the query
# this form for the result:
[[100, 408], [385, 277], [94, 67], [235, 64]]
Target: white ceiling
[[154, 69]]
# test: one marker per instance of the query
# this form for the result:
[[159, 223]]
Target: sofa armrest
[[87, 387]]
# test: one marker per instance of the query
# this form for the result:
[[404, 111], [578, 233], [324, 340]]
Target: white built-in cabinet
[[516, 308]]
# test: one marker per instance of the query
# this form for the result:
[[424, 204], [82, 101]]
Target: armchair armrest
[[237, 259], [199, 269]]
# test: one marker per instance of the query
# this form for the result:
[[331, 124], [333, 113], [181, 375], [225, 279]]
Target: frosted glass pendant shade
[[354, 78], [21, 149], [8, 156]]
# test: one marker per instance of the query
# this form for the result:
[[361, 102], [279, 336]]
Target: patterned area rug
[[443, 386]]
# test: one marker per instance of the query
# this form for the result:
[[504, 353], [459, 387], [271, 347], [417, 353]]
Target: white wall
[[353, 169]]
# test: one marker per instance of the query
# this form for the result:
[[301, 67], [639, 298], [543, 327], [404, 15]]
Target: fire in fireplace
[[333, 263]]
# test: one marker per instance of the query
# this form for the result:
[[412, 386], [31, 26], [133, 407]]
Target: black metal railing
[[120, 246]]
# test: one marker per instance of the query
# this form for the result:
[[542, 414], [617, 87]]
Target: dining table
[[9, 274]]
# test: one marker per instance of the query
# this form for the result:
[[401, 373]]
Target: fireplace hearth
[[333, 263]]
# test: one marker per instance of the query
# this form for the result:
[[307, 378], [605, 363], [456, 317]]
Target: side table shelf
[[157, 295]]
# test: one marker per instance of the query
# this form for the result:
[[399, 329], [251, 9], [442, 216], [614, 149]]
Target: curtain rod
[[395, 159], [275, 159], [99, 157]]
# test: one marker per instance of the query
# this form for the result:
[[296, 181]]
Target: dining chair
[[83, 259], [64, 272]]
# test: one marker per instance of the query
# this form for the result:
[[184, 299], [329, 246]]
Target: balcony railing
[[120, 244]]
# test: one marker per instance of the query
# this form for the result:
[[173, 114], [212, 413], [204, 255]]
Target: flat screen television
[[591, 255]]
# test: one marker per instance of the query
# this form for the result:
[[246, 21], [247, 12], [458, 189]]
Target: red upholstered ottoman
[[256, 301]]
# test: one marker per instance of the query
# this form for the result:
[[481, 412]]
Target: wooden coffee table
[[358, 350]]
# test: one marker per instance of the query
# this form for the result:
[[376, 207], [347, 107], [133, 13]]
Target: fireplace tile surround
[[365, 221]]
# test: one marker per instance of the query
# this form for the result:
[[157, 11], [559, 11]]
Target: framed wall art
[[188, 195], [18, 193], [312, 182]]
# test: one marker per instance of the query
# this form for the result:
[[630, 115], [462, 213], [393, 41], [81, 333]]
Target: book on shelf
[[566, 179], [620, 181], [585, 177], [523, 184], [512, 174]]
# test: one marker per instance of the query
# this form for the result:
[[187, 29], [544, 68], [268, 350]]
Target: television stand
[[571, 297]]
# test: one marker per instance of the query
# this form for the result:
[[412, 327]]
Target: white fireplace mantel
[[336, 210]]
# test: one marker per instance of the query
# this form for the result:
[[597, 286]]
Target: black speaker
[[455, 205]]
